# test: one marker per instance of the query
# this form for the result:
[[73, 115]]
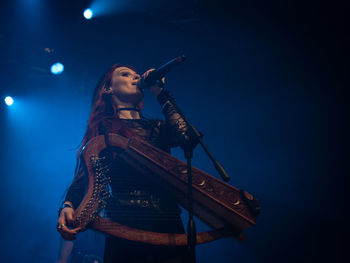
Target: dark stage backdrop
[[264, 82]]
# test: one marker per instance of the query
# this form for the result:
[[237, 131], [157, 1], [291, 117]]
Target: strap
[[168, 239]]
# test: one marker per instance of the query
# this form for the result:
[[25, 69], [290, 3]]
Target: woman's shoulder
[[156, 122], [160, 125], [112, 124], [107, 120], [109, 124]]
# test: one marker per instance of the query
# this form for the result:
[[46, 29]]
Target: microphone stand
[[188, 144]]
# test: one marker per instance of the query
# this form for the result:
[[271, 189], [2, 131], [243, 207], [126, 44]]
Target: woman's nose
[[137, 77]]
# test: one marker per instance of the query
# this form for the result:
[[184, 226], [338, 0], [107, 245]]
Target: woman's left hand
[[154, 89]]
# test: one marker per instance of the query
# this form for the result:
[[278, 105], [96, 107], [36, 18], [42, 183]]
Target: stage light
[[57, 68], [88, 13], [9, 101]]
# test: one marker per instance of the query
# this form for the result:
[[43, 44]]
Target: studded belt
[[138, 198]]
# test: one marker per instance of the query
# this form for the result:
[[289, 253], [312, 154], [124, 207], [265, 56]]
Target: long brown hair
[[101, 107]]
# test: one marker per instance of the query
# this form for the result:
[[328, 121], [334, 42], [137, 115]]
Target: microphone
[[159, 73]]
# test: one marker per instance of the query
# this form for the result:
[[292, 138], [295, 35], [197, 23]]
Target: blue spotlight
[[9, 101], [88, 14], [57, 68]]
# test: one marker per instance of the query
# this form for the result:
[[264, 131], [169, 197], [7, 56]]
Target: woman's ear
[[108, 90]]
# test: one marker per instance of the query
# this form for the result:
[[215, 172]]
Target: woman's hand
[[155, 89], [64, 221]]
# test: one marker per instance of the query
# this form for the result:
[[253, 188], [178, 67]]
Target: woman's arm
[[73, 198], [172, 112], [176, 128], [77, 189]]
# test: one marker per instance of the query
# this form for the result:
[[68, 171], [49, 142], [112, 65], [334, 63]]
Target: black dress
[[140, 203], [136, 200]]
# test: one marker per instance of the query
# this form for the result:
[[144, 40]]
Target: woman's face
[[124, 85]]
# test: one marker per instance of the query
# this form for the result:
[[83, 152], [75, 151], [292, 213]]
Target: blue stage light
[[88, 13], [9, 100], [57, 68]]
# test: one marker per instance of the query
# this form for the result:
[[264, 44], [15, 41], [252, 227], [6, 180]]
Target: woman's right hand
[[64, 221], [156, 88]]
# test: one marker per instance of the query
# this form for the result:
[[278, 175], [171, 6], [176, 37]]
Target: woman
[[135, 201]]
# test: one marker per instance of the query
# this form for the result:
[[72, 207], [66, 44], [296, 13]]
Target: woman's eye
[[125, 74]]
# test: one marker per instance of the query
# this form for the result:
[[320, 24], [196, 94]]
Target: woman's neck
[[126, 114]]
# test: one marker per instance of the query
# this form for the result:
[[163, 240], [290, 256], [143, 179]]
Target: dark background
[[265, 82]]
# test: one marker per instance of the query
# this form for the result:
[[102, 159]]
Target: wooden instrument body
[[217, 203]]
